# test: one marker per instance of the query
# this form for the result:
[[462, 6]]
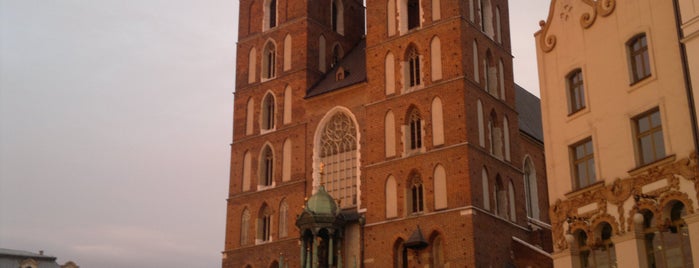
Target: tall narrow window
[[583, 249], [283, 215], [339, 155], [249, 115], [336, 56], [511, 201], [437, 252], [287, 105], [390, 134], [391, 198], [436, 58], [390, 76], [267, 122], [266, 167], [413, 67], [244, 227], [530, 189], [415, 125], [287, 52], [500, 198], [437, 122], [638, 58], [576, 92], [268, 61], [273, 13], [252, 67], [506, 137], [264, 224], [476, 67], [481, 125], [603, 252], [286, 160], [486, 189], [413, 14], [649, 137], [337, 16], [321, 54], [391, 18], [416, 194], [247, 164], [583, 163], [440, 187]]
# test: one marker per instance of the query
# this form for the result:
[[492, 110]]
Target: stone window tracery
[[338, 154]]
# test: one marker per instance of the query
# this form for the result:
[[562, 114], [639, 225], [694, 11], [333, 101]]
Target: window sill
[[656, 163], [579, 113], [265, 187], [262, 80], [265, 131], [589, 188], [633, 86]]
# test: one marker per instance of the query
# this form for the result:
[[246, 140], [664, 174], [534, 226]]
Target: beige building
[[688, 22], [619, 141]]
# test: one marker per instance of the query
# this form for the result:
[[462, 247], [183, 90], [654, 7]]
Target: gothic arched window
[[269, 61], [339, 155], [416, 198], [415, 128], [268, 112], [413, 59], [266, 167]]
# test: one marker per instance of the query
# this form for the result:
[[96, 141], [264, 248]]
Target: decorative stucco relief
[[603, 8], [653, 190]]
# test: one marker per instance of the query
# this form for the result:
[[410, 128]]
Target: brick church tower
[[404, 143]]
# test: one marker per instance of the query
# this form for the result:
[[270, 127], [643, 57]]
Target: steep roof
[[529, 109], [23, 254], [354, 64]]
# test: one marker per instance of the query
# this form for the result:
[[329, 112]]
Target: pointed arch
[[337, 16], [531, 188], [264, 224], [413, 132], [269, 18], [471, 9], [400, 254], [337, 55], [498, 26], [267, 115], [269, 56], [287, 52], [266, 173], [501, 205], [501, 76], [391, 17], [391, 197], [481, 124], [476, 66], [321, 54], [390, 73], [436, 58], [440, 187], [287, 105], [491, 74], [511, 201], [286, 160], [336, 145], [252, 66], [437, 254], [413, 70], [506, 137], [437, 122], [283, 217], [486, 189], [487, 18], [416, 197], [244, 226], [390, 134], [249, 116], [247, 165]]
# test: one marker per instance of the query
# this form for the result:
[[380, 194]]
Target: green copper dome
[[322, 203]]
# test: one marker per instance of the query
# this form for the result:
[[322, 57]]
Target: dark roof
[[529, 108], [23, 254], [354, 64]]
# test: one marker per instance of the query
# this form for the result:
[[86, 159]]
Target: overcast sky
[[115, 125]]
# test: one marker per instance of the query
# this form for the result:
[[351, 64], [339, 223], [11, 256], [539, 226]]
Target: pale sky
[[115, 126]]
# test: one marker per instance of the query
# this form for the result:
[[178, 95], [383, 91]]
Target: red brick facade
[[468, 233]]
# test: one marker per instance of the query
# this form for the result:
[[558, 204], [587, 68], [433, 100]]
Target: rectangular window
[[638, 58], [649, 137], [576, 92], [583, 163]]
